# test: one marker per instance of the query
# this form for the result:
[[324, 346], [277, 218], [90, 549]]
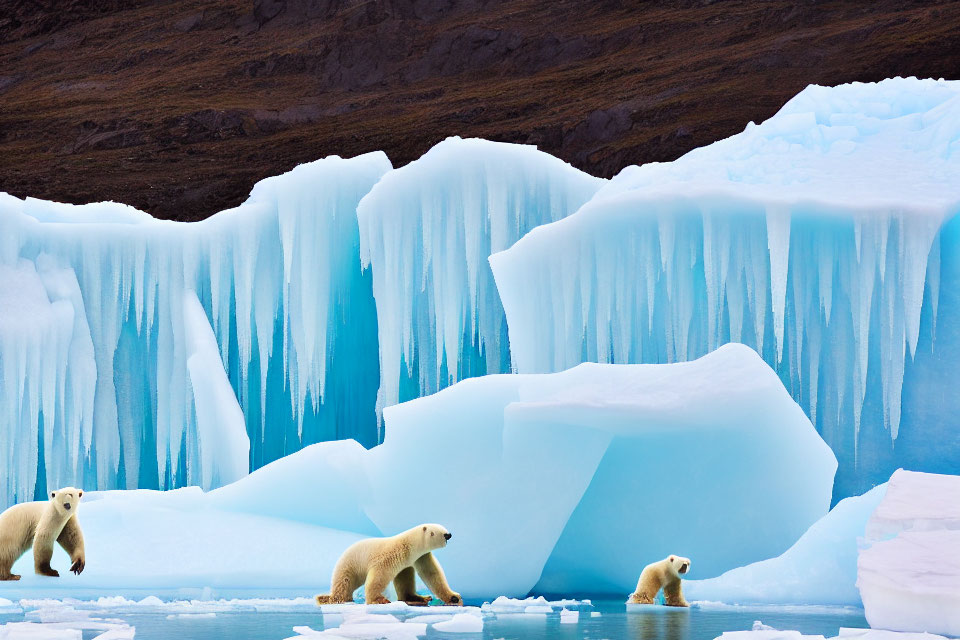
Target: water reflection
[[659, 625]]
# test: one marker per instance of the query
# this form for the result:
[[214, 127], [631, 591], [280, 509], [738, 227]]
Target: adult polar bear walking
[[375, 562], [39, 524], [664, 574]]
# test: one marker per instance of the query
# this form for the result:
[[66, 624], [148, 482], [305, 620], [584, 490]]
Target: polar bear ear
[[53, 494], [424, 528], [80, 495], [671, 558]]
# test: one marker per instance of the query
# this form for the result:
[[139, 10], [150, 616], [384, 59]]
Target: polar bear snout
[[447, 536], [684, 567], [66, 505]]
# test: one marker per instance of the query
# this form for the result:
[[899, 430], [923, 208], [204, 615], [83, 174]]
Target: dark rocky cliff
[[179, 106]]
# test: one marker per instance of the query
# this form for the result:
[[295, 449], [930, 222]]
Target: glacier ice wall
[[110, 321], [821, 237], [426, 231]]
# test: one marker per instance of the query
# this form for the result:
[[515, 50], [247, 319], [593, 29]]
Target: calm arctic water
[[613, 624]]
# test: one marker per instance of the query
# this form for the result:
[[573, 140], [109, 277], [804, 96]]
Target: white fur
[[665, 574], [375, 562], [39, 525]]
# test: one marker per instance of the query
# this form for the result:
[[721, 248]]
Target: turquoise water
[[614, 623]]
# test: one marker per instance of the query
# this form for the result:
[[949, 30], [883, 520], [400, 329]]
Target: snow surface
[[99, 356], [426, 231], [178, 544], [819, 569], [820, 237], [916, 502], [909, 571]]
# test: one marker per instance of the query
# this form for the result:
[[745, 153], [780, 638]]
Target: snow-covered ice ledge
[[825, 237]]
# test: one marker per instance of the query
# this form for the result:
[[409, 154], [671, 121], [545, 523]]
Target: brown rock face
[[178, 106]]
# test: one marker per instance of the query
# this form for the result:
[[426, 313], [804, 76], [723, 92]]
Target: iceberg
[[909, 571], [426, 231], [128, 344], [825, 237], [528, 460]]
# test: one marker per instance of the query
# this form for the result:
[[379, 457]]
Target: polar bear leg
[[43, 551], [647, 587], [673, 595], [344, 583], [642, 597], [406, 586], [432, 574], [378, 577], [6, 564], [71, 539]]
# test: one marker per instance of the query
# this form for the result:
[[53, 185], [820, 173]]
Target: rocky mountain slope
[[179, 106]]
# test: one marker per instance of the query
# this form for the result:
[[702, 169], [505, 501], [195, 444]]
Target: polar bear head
[[678, 565], [433, 536], [66, 501]]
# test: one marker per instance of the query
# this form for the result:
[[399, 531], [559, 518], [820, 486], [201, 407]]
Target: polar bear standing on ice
[[40, 524], [664, 574], [375, 562]]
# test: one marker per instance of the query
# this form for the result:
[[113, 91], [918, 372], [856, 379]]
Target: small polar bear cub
[[39, 525], [665, 575], [375, 562]]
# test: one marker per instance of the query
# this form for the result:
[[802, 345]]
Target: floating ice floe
[[396, 621], [461, 623], [761, 631], [539, 604], [55, 620]]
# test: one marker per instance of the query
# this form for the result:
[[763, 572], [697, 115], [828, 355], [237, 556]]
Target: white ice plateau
[[909, 572]]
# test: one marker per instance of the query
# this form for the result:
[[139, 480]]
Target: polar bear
[[39, 524], [663, 574], [374, 562]]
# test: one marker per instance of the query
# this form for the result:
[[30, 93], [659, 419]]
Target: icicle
[[778, 243]]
